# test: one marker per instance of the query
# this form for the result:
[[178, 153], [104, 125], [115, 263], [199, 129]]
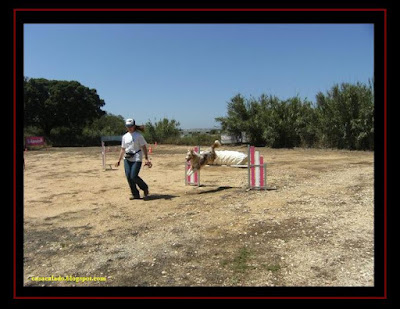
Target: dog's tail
[[216, 144]]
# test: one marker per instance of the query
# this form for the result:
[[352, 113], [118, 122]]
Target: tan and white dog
[[198, 160]]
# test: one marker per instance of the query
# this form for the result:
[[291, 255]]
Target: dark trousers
[[132, 175]]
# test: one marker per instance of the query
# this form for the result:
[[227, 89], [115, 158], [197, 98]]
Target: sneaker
[[134, 198]]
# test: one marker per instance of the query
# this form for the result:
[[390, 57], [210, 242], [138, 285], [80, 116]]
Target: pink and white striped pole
[[256, 169], [252, 169], [261, 172], [194, 179]]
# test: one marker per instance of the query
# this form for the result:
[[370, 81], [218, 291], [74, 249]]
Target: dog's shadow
[[215, 190], [153, 197]]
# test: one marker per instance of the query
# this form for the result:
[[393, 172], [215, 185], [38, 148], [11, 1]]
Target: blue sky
[[188, 72]]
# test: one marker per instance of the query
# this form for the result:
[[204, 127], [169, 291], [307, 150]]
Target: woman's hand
[[117, 164]]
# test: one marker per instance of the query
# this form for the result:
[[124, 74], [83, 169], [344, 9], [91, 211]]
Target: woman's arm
[[121, 155], [144, 151]]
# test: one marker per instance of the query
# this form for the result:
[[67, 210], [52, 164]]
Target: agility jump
[[107, 166], [257, 169]]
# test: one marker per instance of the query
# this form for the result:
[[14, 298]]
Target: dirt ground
[[315, 229]]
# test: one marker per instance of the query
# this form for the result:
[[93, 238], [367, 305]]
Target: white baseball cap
[[129, 122]]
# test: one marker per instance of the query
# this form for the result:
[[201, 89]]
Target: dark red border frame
[[384, 10]]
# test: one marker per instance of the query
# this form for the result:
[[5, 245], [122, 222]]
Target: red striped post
[[257, 170], [261, 167], [193, 179], [252, 168], [187, 176]]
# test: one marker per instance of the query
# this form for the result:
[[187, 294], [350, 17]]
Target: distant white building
[[225, 137], [190, 132], [231, 139]]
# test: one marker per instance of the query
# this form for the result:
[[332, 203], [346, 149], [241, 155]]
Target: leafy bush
[[163, 131], [270, 121], [346, 114], [198, 140], [341, 118]]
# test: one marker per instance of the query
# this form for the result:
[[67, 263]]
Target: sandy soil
[[315, 229]]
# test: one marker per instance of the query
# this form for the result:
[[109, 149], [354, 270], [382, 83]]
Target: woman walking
[[133, 148]]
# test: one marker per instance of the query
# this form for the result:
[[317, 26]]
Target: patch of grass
[[239, 264], [224, 262], [240, 261]]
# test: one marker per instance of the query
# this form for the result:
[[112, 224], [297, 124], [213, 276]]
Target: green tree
[[341, 118], [49, 104], [346, 114], [295, 123], [162, 131], [270, 121], [236, 121], [107, 124]]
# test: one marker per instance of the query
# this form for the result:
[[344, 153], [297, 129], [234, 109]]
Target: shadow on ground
[[159, 197], [216, 190]]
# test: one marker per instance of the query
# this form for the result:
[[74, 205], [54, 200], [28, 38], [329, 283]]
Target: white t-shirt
[[133, 142]]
